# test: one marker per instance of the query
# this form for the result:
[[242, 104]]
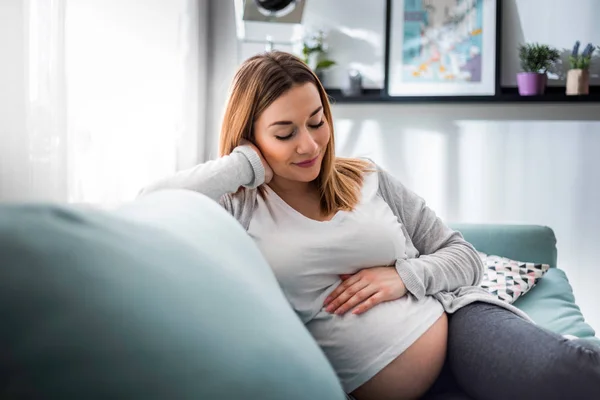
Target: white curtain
[[114, 97]]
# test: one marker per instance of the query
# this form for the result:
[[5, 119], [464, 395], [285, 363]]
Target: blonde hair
[[259, 81]]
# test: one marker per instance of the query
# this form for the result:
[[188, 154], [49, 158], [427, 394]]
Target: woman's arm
[[215, 178], [446, 261]]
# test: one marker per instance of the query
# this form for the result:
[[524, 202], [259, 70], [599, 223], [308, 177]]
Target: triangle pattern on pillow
[[508, 279]]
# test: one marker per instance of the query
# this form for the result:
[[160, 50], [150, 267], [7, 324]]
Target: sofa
[[167, 297], [551, 302]]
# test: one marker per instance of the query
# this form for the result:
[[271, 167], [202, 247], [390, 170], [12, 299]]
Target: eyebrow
[[290, 122]]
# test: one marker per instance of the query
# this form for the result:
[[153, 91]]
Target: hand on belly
[[365, 289]]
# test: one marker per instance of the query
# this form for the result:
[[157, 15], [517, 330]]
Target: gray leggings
[[494, 354]]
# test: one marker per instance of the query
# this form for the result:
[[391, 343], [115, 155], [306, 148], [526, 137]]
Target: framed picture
[[441, 48]]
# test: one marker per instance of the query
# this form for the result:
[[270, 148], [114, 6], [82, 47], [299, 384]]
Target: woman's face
[[292, 134]]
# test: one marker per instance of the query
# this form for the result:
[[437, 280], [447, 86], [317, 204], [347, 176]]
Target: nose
[[307, 144]]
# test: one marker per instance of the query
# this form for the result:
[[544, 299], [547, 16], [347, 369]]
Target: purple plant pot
[[531, 83]]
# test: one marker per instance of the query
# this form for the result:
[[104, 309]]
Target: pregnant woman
[[384, 286]]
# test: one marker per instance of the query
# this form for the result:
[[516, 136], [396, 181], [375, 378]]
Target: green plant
[[583, 60], [314, 45], [536, 57]]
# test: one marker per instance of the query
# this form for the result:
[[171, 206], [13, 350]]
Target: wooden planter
[[578, 82]]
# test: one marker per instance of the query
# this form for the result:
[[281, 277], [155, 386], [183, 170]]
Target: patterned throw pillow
[[509, 279]]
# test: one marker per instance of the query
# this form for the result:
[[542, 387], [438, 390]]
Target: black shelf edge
[[554, 94], [367, 96]]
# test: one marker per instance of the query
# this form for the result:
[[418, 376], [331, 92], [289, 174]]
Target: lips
[[307, 163]]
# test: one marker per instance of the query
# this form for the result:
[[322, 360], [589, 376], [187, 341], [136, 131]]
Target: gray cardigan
[[440, 262]]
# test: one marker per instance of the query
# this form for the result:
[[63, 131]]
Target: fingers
[[341, 287], [346, 295], [364, 290], [357, 299], [370, 303]]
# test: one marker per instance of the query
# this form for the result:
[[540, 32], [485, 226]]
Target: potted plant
[[578, 77], [535, 60], [314, 53]]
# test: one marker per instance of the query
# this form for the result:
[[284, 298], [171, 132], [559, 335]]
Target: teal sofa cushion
[[532, 243], [166, 297], [551, 303]]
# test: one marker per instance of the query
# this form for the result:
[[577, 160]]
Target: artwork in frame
[[442, 48]]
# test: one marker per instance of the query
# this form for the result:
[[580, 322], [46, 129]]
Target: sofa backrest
[[531, 243]]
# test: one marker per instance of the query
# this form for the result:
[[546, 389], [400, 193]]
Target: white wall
[[487, 163]]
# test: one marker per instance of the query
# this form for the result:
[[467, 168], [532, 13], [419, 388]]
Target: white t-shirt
[[307, 257]]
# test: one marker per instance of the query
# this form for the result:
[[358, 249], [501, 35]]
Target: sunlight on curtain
[[45, 100], [126, 64], [113, 95]]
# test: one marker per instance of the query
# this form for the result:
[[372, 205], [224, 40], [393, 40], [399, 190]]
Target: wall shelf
[[554, 94], [505, 95]]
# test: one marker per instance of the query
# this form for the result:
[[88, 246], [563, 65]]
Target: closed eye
[[285, 137], [317, 126]]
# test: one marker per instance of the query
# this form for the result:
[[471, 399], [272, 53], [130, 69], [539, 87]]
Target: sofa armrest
[[531, 243], [551, 304]]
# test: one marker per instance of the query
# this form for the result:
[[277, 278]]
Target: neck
[[283, 186]]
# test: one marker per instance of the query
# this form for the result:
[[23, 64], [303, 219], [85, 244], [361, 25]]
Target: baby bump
[[359, 346], [412, 373]]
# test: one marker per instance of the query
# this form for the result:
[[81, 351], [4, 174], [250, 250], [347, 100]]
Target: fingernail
[[327, 300], [329, 309], [338, 312], [357, 311]]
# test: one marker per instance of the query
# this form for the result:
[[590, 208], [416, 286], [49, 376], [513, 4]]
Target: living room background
[[482, 163]]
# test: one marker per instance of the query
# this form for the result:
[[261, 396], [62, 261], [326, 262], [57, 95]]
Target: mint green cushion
[[551, 303], [165, 298], [530, 243]]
